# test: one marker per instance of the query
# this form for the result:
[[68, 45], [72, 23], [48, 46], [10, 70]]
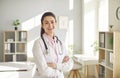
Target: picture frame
[[63, 22]]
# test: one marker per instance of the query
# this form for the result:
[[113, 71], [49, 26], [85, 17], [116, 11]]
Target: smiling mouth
[[50, 29]]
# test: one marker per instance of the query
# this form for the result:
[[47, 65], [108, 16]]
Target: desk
[[16, 70], [85, 61]]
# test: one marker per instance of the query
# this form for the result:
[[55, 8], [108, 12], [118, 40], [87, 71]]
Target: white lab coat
[[42, 58]]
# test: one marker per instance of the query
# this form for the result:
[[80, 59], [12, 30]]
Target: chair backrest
[[77, 65]]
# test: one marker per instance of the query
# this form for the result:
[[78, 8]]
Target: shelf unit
[[109, 47], [15, 46]]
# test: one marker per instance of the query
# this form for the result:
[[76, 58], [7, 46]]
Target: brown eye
[[52, 22], [45, 22]]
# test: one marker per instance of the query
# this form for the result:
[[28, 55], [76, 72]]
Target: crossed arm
[[54, 65]]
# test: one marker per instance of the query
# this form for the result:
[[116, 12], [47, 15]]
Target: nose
[[50, 25]]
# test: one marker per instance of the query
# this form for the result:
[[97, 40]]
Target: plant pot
[[111, 28], [16, 28]]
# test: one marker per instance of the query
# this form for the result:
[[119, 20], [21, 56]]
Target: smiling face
[[48, 25]]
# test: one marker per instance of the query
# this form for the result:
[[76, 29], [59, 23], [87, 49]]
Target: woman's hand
[[52, 65], [65, 59]]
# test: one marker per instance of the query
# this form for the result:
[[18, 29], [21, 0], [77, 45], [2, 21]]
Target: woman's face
[[49, 25]]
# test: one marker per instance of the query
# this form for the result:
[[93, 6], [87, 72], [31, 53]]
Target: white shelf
[[15, 46]]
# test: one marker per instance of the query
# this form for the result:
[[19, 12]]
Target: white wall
[[29, 10], [113, 5], [107, 15], [98, 16]]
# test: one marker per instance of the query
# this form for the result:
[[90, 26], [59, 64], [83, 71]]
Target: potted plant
[[16, 23], [95, 46]]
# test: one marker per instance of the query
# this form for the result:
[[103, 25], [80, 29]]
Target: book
[[102, 40], [111, 57], [8, 47], [23, 36], [101, 71]]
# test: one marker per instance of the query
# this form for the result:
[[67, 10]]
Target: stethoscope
[[60, 52]]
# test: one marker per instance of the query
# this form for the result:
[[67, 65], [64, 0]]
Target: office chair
[[75, 73]]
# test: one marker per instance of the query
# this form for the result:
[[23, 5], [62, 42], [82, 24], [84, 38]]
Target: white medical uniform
[[55, 55]]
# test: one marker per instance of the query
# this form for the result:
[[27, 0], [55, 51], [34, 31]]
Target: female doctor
[[50, 55]]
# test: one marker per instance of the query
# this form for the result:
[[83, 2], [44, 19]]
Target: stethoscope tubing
[[47, 47]]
